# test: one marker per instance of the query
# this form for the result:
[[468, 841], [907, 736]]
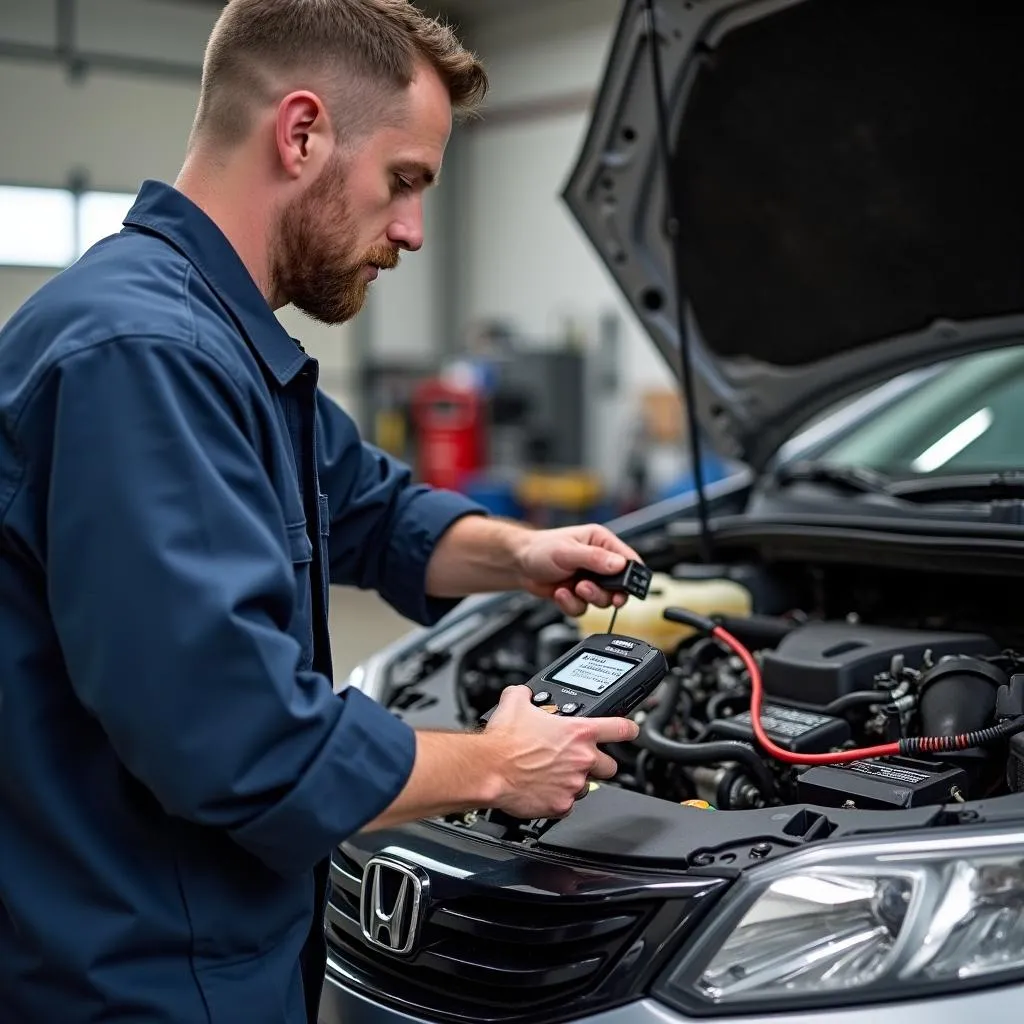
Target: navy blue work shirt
[[175, 497]]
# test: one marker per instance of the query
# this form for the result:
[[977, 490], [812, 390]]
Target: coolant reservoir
[[645, 620]]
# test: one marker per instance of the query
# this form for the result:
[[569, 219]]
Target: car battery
[[802, 732], [887, 783]]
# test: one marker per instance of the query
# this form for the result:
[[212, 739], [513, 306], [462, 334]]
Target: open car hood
[[848, 187]]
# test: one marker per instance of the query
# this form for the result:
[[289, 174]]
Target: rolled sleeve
[[384, 527], [173, 593], [371, 754]]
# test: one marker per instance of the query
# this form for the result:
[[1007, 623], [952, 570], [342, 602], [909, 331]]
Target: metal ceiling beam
[[78, 62]]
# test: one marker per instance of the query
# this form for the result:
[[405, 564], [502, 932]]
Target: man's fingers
[[612, 730], [605, 767], [512, 695], [604, 538], [569, 602], [599, 559], [593, 594]]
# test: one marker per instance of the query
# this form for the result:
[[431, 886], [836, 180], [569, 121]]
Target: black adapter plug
[[634, 580]]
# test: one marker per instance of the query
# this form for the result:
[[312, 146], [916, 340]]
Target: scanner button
[[541, 698], [570, 709]]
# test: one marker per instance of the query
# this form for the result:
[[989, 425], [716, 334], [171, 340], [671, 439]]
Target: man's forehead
[[416, 135], [412, 149]]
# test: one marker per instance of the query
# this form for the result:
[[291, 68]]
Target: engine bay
[[849, 658]]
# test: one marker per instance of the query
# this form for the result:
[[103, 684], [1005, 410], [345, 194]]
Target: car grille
[[487, 956]]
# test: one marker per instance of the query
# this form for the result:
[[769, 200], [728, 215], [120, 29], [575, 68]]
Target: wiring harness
[[907, 747]]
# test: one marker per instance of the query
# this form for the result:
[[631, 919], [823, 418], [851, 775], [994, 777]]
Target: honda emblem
[[392, 904]]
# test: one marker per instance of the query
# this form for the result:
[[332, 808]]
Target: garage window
[[52, 227], [37, 227], [101, 214]]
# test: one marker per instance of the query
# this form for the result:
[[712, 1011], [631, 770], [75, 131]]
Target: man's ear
[[303, 133]]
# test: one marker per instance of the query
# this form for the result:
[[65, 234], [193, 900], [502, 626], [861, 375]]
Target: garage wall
[[528, 259], [528, 262]]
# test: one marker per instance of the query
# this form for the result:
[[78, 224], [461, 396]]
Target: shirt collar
[[166, 212]]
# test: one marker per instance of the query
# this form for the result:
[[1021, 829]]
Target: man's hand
[[545, 763], [480, 554], [526, 763], [548, 560]]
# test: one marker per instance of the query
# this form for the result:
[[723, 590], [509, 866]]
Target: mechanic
[[176, 497]]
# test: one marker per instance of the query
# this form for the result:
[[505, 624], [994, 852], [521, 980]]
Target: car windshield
[[966, 418]]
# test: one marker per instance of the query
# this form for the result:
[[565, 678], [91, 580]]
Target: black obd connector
[[634, 580]]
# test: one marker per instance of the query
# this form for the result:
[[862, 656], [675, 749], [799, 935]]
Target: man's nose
[[407, 233]]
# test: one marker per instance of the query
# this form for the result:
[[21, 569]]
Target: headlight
[[861, 922]]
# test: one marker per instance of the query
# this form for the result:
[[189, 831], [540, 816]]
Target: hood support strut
[[706, 542]]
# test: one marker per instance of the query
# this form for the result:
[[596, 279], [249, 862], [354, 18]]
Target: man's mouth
[[385, 259]]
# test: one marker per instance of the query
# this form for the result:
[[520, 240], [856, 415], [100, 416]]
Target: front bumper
[[341, 1005]]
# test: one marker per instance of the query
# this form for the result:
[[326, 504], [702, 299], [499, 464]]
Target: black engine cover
[[820, 662]]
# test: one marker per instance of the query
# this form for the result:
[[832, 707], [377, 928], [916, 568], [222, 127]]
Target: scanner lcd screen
[[592, 672]]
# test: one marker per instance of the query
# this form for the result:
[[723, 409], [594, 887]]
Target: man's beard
[[315, 266]]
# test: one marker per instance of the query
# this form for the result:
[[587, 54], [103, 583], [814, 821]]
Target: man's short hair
[[357, 54]]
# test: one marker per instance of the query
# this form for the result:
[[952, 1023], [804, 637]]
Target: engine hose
[[640, 773], [717, 700], [855, 700], [652, 738], [699, 651], [907, 746]]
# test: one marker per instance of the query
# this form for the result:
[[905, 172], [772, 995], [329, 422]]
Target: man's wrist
[[516, 540], [476, 763], [491, 762], [479, 554]]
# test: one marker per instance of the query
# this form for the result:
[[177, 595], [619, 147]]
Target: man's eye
[[402, 184]]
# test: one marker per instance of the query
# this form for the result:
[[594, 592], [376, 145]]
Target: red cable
[[756, 693]]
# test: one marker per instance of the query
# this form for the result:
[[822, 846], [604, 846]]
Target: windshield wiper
[[967, 487], [1005, 486], [855, 479]]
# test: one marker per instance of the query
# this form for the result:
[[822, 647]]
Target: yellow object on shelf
[[568, 489], [645, 619], [389, 432]]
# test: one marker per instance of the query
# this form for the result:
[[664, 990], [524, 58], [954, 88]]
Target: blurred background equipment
[[514, 422], [450, 425]]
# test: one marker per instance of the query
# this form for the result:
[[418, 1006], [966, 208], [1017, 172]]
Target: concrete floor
[[361, 623]]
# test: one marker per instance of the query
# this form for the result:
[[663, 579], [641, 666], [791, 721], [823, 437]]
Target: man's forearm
[[477, 555], [452, 772]]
